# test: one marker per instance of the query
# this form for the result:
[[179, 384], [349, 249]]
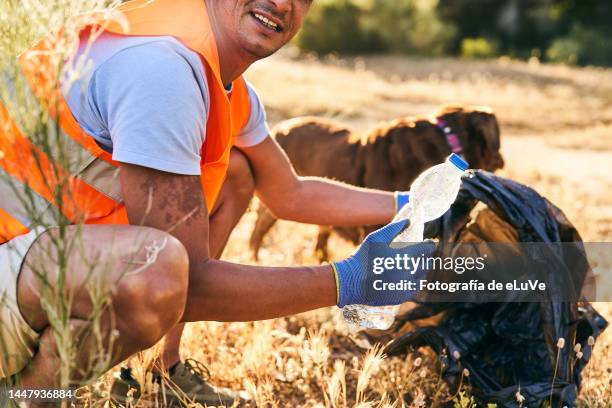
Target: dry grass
[[557, 137]]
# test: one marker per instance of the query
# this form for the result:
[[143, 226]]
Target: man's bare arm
[[313, 200], [219, 290]]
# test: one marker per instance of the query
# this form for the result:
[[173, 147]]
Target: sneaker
[[189, 379], [125, 388], [185, 383]]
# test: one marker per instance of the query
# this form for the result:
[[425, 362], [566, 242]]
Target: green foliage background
[[567, 31]]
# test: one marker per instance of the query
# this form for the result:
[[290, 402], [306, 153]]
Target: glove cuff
[[348, 289], [400, 199], [335, 270]]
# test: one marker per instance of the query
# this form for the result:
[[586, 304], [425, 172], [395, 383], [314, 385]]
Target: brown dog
[[388, 157]]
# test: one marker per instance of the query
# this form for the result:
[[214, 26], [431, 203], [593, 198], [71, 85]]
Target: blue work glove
[[361, 278], [401, 199]]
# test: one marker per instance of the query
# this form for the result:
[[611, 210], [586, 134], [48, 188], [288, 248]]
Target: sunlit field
[[556, 137], [556, 125]]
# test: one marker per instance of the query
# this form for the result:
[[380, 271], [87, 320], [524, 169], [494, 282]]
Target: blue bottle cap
[[458, 162]]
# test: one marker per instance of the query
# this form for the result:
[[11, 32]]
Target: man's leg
[[233, 201], [147, 290]]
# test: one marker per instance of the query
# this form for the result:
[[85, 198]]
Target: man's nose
[[283, 6]]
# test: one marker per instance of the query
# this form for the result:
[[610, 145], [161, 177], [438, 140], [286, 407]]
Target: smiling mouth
[[266, 22]]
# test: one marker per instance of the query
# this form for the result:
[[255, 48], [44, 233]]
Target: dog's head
[[478, 131]]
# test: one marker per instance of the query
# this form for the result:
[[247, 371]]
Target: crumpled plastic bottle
[[431, 195]]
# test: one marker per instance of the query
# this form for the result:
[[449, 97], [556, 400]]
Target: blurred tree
[[595, 14], [357, 26], [408, 26], [587, 29], [478, 48], [334, 26], [575, 31], [518, 26], [582, 46], [569, 31]]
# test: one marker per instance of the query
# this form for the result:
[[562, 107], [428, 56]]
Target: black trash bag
[[510, 345]]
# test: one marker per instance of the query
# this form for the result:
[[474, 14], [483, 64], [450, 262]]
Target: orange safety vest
[[94, 193]]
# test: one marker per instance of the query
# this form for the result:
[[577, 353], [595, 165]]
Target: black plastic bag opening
[[509, 347]]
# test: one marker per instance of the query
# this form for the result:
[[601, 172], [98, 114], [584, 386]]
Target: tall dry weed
[[21, 24]]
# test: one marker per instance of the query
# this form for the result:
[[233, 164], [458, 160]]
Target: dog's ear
[[412, 149], [484, 140], [397, 145]]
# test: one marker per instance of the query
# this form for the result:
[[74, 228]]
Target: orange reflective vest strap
[[31, 185], [27, 175], [240, 105], [10, 227], [186, 20], [216, 151]]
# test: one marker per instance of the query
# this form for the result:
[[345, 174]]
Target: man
[[164, 103]]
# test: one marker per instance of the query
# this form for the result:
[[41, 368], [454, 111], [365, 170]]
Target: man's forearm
[[327, 202], [313, 200], [224, 291]]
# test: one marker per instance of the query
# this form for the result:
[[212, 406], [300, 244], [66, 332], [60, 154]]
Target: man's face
[[260, 27]]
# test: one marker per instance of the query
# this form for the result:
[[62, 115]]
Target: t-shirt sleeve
[[150, 101], [256, 129]]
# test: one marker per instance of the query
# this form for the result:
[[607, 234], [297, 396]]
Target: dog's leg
[[321, 248], [265, 221]]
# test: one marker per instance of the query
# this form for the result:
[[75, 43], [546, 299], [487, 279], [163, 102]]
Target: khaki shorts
[[18, 340]]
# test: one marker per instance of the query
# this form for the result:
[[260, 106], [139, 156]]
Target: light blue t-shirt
[[146, 101]]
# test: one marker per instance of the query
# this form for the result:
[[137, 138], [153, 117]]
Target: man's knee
[[240, 176], [153, 297]]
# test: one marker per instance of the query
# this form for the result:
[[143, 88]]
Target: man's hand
[[356, 276]]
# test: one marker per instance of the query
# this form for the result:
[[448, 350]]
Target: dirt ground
[[556, 125]]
